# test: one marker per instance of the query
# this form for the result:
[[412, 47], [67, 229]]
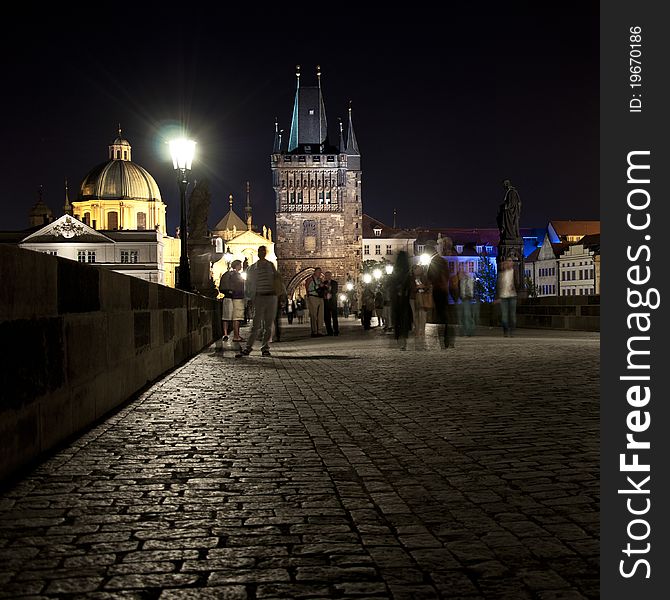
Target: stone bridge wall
[[79, 340]]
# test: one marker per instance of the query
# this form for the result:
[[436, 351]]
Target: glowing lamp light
[[350, 286], [367, 278], [425, 259], [182, 151], [228, 256], [343, 298], [244, 275], [389, 269], [377, 273]]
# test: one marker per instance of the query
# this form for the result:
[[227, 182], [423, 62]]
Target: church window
[[90, 256], [81, 255], [299, 196], [291, 197], [366, 249], [316, 159], [118, 154], [419, 248], [125, 155], [378, 249], [87, 218], [389, 248], [112, 220], [327, 197], [218, 244], [141, 220]]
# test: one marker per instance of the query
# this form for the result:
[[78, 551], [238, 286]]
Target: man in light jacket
[[261, 288]]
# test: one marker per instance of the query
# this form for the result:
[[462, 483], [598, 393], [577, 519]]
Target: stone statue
[[198, 210], [509, 213]]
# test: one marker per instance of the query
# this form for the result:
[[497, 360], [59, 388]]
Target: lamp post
[[182, 151]]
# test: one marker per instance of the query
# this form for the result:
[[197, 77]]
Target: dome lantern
[[119, 149]]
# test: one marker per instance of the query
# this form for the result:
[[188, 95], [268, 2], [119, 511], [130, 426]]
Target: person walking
[[232, 286], [438, 277], [421, 301], [506, 297], [367, 306], [315, 294], [466, 287], [330, 304], [399, 288], [262, 289], [290, 311], [300, 310]]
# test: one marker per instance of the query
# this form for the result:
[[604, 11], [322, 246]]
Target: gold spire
[[247, 208]]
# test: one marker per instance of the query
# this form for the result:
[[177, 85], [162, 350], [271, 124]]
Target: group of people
[[409, 294], [265, 291]]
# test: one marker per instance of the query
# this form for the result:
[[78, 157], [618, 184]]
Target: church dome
[[119, 178]]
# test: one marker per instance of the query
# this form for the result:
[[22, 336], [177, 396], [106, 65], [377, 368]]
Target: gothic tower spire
[[309, 126], [342, 144], [352, 144]]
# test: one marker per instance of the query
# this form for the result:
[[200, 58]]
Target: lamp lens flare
[[182, 151]]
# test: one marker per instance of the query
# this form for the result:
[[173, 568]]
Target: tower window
[[125, 155], [378, 249], [300, 197], [118, 154], [113, 220], [389, 250], [311, 111], [377, 230], [141, 220], [366, 249]]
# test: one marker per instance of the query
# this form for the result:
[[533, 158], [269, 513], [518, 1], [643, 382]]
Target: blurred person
[[300, 309], [438, 277], [379, 307], [399, 286], [330, 304], [367, 306], [421, 301], [466, 288], [261, 288], [506, 297]]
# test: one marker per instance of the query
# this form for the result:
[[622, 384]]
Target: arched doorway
[[295, 281]]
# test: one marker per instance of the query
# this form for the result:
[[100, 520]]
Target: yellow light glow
[[425, 259], [367, 278]]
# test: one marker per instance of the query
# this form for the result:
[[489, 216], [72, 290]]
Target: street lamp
[[425, 259], [350, 286], [182, 151], [389, 269], [377, 274], [228, 257], [367, 278]]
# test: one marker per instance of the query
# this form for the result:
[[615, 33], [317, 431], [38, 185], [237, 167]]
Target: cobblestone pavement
[[337, 468]]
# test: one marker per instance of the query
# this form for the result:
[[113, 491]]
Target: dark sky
[[445, 106]]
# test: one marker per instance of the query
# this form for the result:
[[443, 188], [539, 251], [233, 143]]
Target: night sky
[[445, 107]]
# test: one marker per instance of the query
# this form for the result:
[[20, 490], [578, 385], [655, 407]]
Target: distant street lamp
[[367, 278], [228, 257], [377, 274], [182, 151], [425, 259], [389, 269], [350, 286]]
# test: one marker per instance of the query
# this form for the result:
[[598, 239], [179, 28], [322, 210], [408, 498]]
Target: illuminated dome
[[119, 178]]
